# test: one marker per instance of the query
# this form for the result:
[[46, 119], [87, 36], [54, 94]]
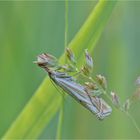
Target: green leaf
[[46, 102]]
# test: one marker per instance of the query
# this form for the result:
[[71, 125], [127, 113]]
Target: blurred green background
[[30, 28]]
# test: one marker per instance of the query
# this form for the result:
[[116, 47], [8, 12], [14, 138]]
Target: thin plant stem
[[66, 23], [133, 121], [60, 122], [61, 113], [66, 29]]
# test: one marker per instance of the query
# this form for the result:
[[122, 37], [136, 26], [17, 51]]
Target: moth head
[[46, 60]]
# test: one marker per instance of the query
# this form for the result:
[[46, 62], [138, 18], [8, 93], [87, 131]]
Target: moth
[[67, 83]]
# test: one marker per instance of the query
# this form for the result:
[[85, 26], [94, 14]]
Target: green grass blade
[[46, 102]]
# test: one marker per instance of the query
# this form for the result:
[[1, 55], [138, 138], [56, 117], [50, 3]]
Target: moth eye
[[42, 64]]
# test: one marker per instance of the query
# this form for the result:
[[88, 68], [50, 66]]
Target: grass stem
[[61, 113]]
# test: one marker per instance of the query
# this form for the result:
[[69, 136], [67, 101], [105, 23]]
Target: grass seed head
[[115, 99], [70, 55]]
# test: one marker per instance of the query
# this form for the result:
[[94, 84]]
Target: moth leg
[[59, 90]]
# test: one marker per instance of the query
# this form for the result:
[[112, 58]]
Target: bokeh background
[[29, 28]]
